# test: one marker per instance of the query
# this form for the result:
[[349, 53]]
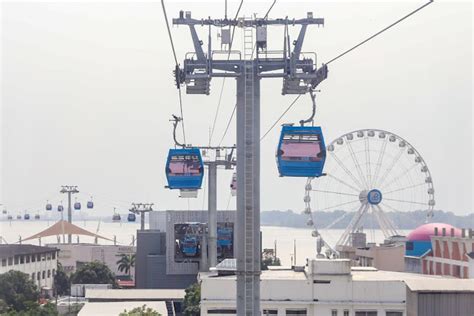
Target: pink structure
[[425, 232]]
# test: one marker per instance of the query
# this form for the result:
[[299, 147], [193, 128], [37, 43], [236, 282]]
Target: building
[[40, 263], [172, 252], [323, 287], [386, 256], [440, 249], [72, 256], [113, 301], [440, 297]]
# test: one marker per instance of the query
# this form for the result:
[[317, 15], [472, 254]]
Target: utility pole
[[141, 209], [69, 189], [298, 73]]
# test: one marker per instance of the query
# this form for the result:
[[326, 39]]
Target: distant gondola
[[116, 218], [4, 212], [301, 151], [131, 217], [90, 204], [10, 217], [37, 216], [77, 206], [18, 217], [26, 217], [60, 208], [184, 169], [49, 206]]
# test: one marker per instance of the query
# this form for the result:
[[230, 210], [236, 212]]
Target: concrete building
[[160, 261], [324, 288], [440, 249], [40, 263], [440, 297], [386, 257], [71, 256]]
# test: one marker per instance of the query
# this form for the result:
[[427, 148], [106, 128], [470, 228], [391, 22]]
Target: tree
[[17, 291], [126, 263], [192, 300], [94, 273], [140, 311], [62, 283], [35, 309]]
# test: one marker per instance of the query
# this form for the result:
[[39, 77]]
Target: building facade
[[71, 256], [323, 288], [40, 263]]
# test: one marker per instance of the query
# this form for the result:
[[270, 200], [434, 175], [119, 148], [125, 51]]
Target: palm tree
[[125, 263]]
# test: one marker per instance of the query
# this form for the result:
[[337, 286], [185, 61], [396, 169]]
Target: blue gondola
[[224, 237], [131, 217], [60, 208], [49, 206], [190, 246], [301, 151], [26, 217], [77, 206], [184, 169], [90, 204]]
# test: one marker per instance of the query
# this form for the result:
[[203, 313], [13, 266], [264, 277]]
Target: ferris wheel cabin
[[184, 169], [301, 151]]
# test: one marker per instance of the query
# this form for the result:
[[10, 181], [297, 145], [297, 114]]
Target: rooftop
[[134, 294], [13, 250], [442, 284], [115, 308]]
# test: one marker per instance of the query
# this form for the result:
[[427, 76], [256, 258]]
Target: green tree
[[35, 309], [140, 311], [62, 283], [94, 273], [17, 291], [192, 300], [125, 263]]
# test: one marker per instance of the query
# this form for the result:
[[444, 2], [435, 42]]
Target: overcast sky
[[87, 93]]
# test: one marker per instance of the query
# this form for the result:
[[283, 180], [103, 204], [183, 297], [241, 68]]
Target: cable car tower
[[298, 72]]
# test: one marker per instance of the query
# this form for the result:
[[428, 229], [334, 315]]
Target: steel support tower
[[298, 72], [69, 189], [141, 209]]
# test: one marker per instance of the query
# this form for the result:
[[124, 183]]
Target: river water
[[284, 237]]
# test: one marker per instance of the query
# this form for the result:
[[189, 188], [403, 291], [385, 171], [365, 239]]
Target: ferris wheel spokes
[[357, 164], [348, 172], [353, 225]]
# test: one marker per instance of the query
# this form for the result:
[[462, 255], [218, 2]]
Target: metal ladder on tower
[[249, 70]]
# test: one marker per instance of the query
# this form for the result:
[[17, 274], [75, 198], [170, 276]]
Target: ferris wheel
[[369, 171]]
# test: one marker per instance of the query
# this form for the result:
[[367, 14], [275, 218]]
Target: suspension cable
[[271, 7], [228, 124], [281, 116], [177, 67], [379, 32], [223, 80]]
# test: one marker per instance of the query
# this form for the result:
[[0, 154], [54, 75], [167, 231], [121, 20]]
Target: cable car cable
[[281, 116], [177, 67], [379, 32], [271, 7]]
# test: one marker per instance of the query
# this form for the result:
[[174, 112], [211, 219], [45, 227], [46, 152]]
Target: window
[[10, 261], [54, 255], [270, 312], [334, 312], [222, 311], [28, 259], [366, 313], [38, 276], [22, 259], [44, 275], [38, 257], [48, 256], [33, 277], [17, 259], [33, 258], [49, 273], [296, 311], [322, 281], [409, 245], [394, 313], [54, 272], [4, 262], [346, 312]]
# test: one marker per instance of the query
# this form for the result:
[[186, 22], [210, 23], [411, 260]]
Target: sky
[[87, 93]]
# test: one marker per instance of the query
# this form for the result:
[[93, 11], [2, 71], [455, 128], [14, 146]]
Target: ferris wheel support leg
[[389, 223], [353, 224]]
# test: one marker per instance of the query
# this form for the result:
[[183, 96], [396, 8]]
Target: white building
[[40, 263], [323, 288], [71, 256]]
